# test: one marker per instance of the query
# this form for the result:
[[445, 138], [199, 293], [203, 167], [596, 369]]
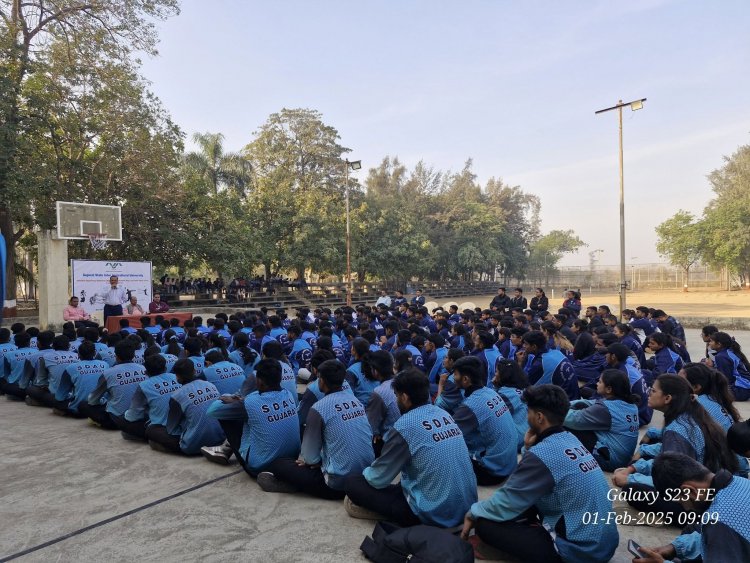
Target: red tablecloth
[[113, 323]]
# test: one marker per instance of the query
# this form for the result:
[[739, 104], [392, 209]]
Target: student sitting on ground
[[361, 385], [49, 369], [382, 410], [120, 383], [188, 428], [426, 447], [732, 362], [688, 429], [608, 425], [510, 382], [227, 376], [486, 423], [448, 395], [260, 428], [243, 355], [719, 497], [78, 380], [18, 367], [337, 443], [666, 359], [558, 482], [619, 356], [150, 403], [543, 365], [273, 350]]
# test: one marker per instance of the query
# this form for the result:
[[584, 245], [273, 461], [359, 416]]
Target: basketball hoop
[[98, 240]]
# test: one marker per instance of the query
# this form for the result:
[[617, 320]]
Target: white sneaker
[[217, 454], [269, 483], [356, 511]]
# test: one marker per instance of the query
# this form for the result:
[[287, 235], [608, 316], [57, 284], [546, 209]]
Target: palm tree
[[217, 168]]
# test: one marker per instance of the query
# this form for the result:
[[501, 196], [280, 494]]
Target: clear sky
[[511, 84]]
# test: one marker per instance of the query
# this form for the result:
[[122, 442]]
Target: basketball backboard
[[79, 220]]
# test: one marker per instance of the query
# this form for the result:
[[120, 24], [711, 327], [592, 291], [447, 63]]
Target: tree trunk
[[6, 227]]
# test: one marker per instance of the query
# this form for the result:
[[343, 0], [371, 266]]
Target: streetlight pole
[[634, 105], [355, 165]]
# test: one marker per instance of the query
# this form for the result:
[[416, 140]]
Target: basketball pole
[[53, 279]]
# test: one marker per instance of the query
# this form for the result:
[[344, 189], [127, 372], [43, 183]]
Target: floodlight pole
[[348, 238], [635, 105]]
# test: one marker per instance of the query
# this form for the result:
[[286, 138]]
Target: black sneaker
[[269, 483]]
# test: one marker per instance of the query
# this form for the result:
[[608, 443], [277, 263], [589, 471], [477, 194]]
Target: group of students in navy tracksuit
[[396, 390]]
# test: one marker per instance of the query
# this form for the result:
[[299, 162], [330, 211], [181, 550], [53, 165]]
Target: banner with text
[[91, 281]]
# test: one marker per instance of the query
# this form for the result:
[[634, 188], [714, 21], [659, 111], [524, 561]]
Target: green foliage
[[680, 239], [726, 222], [549, 249]]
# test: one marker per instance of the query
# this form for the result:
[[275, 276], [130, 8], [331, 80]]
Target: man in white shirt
[[383, 299], [114, 298]]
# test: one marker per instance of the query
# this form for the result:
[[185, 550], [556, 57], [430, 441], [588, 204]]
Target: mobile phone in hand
[[633, 548]]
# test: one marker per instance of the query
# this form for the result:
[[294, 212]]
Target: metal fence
[[638, 276]]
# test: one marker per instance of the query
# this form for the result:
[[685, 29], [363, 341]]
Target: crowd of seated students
[[537, 404]]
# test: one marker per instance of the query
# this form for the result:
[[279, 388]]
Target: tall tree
[[681, 241], [216, 167], [299, 172], [726, 222], [118, 27], [548, 250]]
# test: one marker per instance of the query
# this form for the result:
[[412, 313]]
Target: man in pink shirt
[[77, 315], [157, 305]]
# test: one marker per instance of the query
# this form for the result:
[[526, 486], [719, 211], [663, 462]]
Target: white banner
[[91, 281]]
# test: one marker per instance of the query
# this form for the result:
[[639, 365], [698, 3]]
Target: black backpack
[[418, 544]]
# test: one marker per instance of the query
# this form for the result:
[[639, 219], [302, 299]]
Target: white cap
[[304, 374]]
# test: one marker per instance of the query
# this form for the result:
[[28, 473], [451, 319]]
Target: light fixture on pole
[[634, 105], [354, 165]]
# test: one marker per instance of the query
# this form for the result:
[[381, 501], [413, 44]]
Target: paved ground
[[62, 475]]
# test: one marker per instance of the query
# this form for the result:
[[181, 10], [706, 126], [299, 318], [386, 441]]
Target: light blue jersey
[[151, 399], [78, 380], [270, 430], [121, 382], [227, 376], [418, 446], [487, 425], [189, 420]]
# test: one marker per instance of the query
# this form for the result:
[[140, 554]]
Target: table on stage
[[113, 323]]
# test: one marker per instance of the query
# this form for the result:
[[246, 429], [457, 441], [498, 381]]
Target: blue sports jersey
[[189, 419], [121, 383], [249, 367], [48, 373], [170, 360], [108, 356], [338, 436], [78, 380], [270, 430], [564, 482], [300, 355], [199, 364], [559, 371], [518, 409], [488, 428], [437, 367], [615, 424], [19, 366], [491, 357], [227, 376], [382, 410], [361, 385], [417, 446], [151, 399], [728, 363], [289, 380], [638, 387], [717, 412], [5, 348], [416, 359]]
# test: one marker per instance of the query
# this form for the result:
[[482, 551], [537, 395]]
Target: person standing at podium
[[114, 298]]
